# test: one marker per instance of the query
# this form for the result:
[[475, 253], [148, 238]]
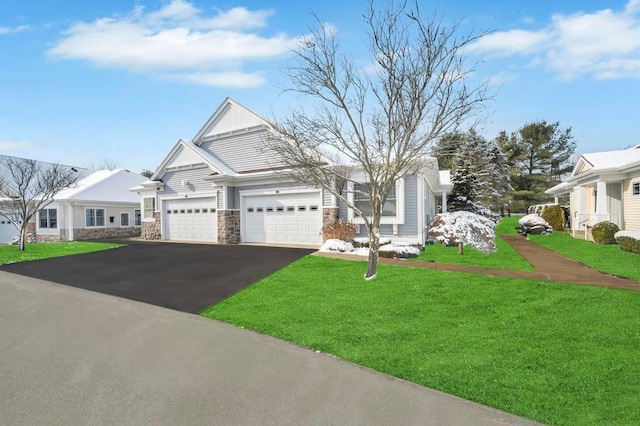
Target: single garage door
[[194, 219], [283, 218], [7, 230]]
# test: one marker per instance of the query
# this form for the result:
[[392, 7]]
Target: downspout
[[70, 221]]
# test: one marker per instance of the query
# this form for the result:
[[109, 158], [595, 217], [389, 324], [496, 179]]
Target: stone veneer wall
[[98, 233], [152, 230], [48, 238], [329, 214], [228, 226]]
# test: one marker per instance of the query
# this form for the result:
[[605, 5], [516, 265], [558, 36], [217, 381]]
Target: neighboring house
[[604, 186], [223, 186], [99, 206]]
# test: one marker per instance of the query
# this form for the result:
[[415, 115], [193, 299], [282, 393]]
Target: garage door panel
[[192, 219], [282, 218]]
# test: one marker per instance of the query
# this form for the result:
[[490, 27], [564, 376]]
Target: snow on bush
[[464, 227], [398, 250], [337, 246], [364, 241]]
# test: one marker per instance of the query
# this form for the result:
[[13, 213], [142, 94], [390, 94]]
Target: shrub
[[338, 230], [604, 232], [628, 241], [554, 216]]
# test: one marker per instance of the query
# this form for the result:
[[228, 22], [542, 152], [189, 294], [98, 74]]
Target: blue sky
[[84, 81]]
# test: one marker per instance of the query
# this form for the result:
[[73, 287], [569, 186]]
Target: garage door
[[194, 219], [283, 218], [7, 230]]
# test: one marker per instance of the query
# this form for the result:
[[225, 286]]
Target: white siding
[[631, 206], [235, 191], [195, 178], [234, 117], [243, 151]]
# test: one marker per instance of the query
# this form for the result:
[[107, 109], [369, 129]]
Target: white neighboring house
[[223, 186], [99, 205], [603, 186]]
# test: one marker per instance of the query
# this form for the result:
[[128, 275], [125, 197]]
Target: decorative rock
[[534, 225]]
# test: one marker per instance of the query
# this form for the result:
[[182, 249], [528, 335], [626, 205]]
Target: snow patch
[[336, 246], [464, 227], [402, 249], [631, 234]]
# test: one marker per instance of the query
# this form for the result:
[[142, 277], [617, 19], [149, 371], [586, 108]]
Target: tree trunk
[[21, 240], [374, 244], [460, 248]]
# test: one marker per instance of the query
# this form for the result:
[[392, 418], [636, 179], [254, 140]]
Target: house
[[603, 186], [223, 186], [100, 205]]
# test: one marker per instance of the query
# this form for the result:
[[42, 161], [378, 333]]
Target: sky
[[82, 82]]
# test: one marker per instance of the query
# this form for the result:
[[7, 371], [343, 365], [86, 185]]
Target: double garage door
[[194, 219], [283, 218], [7, 230]]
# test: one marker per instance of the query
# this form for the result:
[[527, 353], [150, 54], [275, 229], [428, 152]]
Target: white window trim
[[129, 225], [104, 217], [57, 219], [398, 219], [143, 210], [134, 218]]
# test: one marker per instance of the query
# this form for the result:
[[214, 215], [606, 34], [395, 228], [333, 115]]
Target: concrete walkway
[[549, 266], [69, 356]]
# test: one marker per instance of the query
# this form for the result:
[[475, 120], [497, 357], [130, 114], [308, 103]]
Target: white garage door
[[194, 219], [7, 230], [283, 218]]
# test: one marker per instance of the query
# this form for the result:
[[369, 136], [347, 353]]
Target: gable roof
[[607, 160], [104, 186], [229, 116], [186, 153]]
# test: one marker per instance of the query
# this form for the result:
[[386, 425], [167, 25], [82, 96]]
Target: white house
[[604, 186], [222, 186]]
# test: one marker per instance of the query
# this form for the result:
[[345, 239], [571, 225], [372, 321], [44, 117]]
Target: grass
[[607, 258], [505, 256], [507, 225], [11, 254], [558, 354]]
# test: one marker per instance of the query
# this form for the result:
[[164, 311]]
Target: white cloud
[[8, 30], [9, 145], [602, 44], [180, 40]]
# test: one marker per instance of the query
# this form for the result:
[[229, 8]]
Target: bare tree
[[27, 186], [378, 121], [103, 164], [146, 173]]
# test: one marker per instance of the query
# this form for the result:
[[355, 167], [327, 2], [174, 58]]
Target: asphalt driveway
[[185, 277]]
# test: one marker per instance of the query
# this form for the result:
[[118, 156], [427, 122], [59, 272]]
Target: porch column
[[70, 230], [444, 202], [580, 215], [602, 210]]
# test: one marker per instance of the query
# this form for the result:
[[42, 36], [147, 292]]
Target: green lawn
[[35, 251], [558, 354], [603, 257], [507, 225], [505, 256]]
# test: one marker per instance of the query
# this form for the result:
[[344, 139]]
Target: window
[[635, 189], [124, 219], [137, 218], [363, 203], [48, 218], [94, 217], [149, 207]]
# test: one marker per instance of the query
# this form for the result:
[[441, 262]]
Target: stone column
[[229, 226], [152, 230]]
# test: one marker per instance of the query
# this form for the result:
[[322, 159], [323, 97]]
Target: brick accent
[[228, 226], [152, 230], [329, 214]]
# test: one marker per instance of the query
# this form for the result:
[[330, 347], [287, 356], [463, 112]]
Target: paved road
[[75, 357], [185, 277]]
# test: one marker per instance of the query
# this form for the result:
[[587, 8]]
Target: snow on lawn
[[337, 246], [464, 227]]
